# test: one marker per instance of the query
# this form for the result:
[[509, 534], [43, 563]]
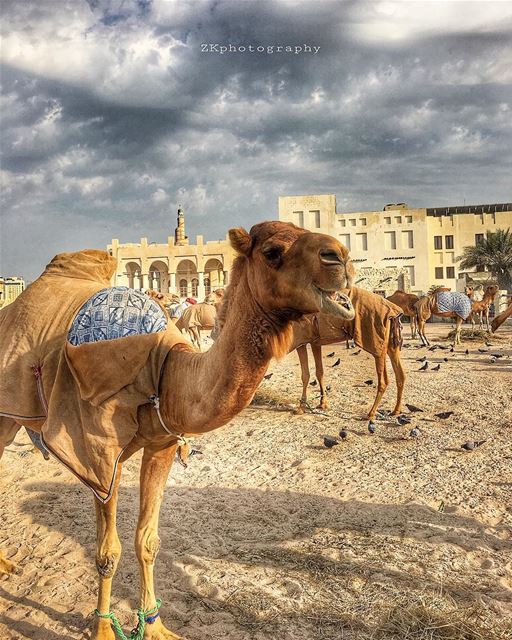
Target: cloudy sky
[[113, 113]]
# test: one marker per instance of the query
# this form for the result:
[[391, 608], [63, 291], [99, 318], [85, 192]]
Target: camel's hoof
[[299, 410], [102, 630], [157, 631], [396, 412], [322, 405]]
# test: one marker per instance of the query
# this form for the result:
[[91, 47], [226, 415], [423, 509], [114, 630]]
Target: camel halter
[[155, 401]]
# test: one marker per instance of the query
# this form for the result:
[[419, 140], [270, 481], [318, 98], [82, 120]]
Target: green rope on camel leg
[[149, 616]]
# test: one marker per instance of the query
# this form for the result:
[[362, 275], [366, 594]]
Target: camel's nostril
[[330, 257]]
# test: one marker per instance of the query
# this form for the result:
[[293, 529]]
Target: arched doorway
[[159, 276], [134, 275], [185, 274], [213, 275]]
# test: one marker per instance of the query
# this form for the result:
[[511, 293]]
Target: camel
[[281, 273], [406, 302], [376, 328], [443, 303], [500, 319], [481, 307], [195, 318]]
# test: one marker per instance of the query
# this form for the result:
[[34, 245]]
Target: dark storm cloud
[[113, 114]]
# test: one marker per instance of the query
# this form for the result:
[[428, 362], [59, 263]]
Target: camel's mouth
[[335, 303]]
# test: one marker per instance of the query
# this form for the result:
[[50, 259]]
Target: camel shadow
[[211, 525]]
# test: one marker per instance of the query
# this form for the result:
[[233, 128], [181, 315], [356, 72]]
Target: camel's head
[[491, 290], [293, 271]]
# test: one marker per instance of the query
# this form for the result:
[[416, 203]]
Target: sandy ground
[[270, 536]]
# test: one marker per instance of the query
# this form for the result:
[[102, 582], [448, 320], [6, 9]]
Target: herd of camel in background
[[380, 334]]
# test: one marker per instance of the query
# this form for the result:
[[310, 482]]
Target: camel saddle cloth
[[454, 302], [82, 356], [373, 314]]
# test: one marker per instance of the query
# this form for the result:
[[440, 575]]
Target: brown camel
[[195, 318], [500, 319], [406, 302], [446, 304], [481, 307], [376, 328], [281, 273]]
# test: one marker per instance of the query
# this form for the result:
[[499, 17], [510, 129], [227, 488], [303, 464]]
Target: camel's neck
[[203, 391]]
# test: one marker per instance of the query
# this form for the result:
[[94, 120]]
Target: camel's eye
[[273, 254]]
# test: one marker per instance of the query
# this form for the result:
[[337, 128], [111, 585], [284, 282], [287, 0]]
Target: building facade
[[422, 245], [175, 266], [10, 289]]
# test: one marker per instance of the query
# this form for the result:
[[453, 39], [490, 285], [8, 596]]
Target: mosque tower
[[179, 233]]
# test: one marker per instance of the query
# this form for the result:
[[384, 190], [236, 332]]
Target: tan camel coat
[[89, 394]]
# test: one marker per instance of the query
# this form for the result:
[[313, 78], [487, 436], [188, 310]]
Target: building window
[[183, 288], [352, 222], [479, 237], [408, 219], [439, 273], [362, 241], [389, 240], [407, 240], [343, 223], [299, 218], [448, 242], [317, 218], [412, 275], [387, 220], [363, 222], [345, 239], [438, 242], [450, 272], [398, 220], [195, 287]]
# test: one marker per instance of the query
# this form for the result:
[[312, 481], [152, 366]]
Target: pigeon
[[413, 409], [368, 382], [492, 360], [403, 420], [313, 383], [443, 415], [343, 434], [452, 349], [488, 344], [414, 433], [483, 350], [470, 445], [436, 368], [328, 387], [330, 442], [445, 359], [424, 359], [467, 352], [336, 363], [424, 367], [433, 347], [356, 353], [330, 355], [371, 427], [497, 355], [268, 376], [196, 452]]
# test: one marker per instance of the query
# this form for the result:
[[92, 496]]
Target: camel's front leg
[[304, 368], [108, 552], [155, 468], [319, 369], [382, 384]]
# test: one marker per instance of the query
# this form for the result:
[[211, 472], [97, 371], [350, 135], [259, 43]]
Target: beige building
[[421, 245], [176, 266], [10, 289]]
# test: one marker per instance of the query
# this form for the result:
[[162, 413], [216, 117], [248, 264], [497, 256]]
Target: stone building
[[10, 289], [423, 243], [175, 266]]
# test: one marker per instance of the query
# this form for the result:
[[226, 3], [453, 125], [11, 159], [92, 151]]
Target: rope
[[143, 617]]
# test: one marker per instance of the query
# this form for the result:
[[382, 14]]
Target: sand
[[270, 536]]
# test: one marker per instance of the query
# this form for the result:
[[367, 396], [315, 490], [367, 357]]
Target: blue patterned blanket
[[116, 312], [452, 301]]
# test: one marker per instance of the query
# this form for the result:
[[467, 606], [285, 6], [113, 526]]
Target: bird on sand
[[445, 359], [436, 368], [330, 442], [413, 409], [371, 427], [470, 445], [268, 376], [424, 367], [330, 355], [452, 349], [444, 414], [467, 352], [356, 353], [414, 433], [313, 383], [403, 420], [424, 359], [336, 363], [483, 350], [368, 382], [328, 387], [343, 434]]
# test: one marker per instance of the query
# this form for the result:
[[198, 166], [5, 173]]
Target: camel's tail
[[396, 332]]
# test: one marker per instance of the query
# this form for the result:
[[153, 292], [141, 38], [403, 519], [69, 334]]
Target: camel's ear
[[241, 241]]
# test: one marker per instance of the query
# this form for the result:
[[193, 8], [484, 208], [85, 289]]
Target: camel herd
[[283, 294]]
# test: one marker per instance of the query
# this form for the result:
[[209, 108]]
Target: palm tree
[[493, 252]]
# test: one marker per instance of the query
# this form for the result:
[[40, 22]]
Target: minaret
[[179, 233]]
